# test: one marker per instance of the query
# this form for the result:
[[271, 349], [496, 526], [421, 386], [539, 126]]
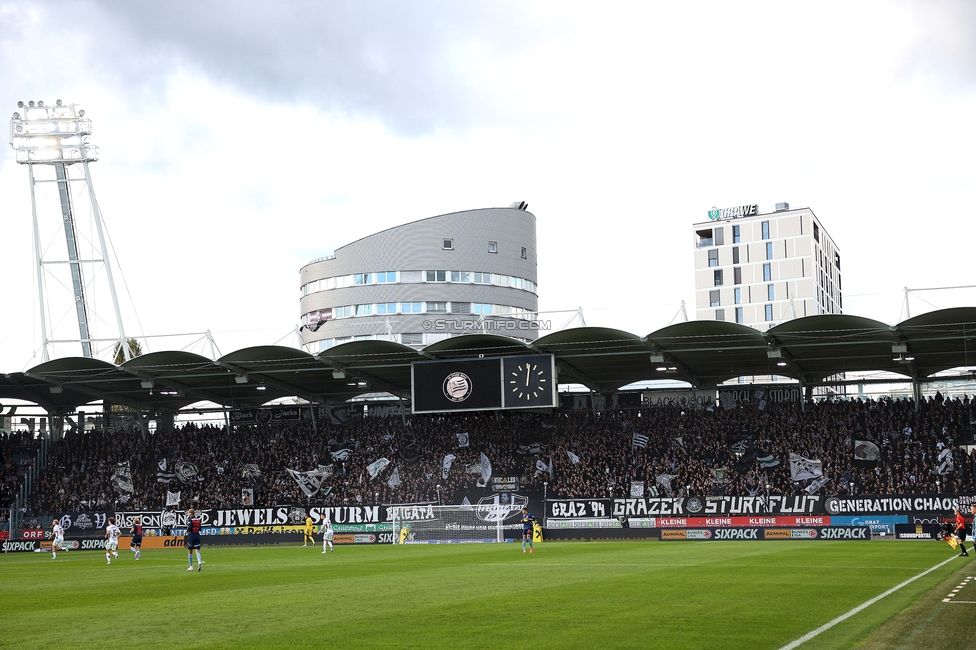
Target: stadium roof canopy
[[703, 353]]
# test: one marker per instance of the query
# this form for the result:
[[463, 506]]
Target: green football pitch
[[565, 595]]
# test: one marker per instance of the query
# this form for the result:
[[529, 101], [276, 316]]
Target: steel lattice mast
[[57, 138]]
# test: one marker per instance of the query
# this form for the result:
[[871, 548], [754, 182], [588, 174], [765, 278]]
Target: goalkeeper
[[528, 523]]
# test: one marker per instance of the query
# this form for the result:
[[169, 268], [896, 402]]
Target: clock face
[[528, 382]]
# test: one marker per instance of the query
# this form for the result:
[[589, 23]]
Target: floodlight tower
[[54, 143]]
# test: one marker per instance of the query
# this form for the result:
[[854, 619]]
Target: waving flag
[[376, 467]]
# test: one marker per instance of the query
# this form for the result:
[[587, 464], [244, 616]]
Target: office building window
[[735, 254], [736, 234], [436, 307], [737, 275], [770, 292], [769, 313], [714, 298], [769, 250], [713, 257], [739, 318], [411, 338], [816, 232], [718, 277], [767, 272], [720, 236], [448, 244], [492, 247], [737, 295], [525, 253], [411, 307], [386, 308], [720, 314], [765, 230]]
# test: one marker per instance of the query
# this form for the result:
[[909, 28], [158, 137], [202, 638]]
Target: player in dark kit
[[136, 544], [528, 524], [193, 539]]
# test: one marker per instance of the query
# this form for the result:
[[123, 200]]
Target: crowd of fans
[[687, 452], [18, 452]]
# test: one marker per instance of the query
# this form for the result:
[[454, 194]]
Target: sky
[[240, 140]]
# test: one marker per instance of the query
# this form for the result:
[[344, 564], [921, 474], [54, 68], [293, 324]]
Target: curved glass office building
[[425, 281]]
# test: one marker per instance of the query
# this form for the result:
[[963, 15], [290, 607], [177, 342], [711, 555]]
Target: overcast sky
[[240, 140]]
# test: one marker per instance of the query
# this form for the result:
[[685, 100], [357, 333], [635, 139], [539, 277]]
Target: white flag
[[394, 478], [462, 439], [448, 461], [541, 467], [816, 484], [573, 458], [945, 462], [376, 467], [665, 481], [866, 450], [309, 482], [637, 489], [172, 498], [803, 468], [247, 497], [640, 440], [485, 470], [342, 454], [164, 475]]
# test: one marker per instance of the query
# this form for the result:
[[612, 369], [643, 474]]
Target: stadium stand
[[686, 445]]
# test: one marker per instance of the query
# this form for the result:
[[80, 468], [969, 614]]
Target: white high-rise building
[[762, 269]]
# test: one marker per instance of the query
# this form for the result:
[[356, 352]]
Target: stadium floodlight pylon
[[54, 143], [456, 524]]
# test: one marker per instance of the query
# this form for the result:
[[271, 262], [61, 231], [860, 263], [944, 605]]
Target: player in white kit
[[327, 536], [112, 534], [58, 542]]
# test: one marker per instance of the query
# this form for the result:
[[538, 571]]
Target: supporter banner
[[896, 504], [578, 508], [679, 398], [504, 483], [758, 396], [266, 415], [733, 505]]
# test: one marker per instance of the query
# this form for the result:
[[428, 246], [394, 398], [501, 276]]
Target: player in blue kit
[[528, 524], [136, 544], [193, 539]]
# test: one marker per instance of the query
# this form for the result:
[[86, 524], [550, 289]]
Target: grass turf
[[566, 595]]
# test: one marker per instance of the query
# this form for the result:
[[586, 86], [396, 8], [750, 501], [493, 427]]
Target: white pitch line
[[961, 602], [843, 617]]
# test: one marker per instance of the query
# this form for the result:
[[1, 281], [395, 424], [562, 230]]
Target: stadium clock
[[528, 381]]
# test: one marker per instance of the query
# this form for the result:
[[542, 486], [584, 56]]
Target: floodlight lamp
[[81, 113], [57, 389], [909, 357], [40, 103], [781, 363], [899, 348], [657, 358], [262, 388], [148, 383], [16, 116], [774, 353], [241, 378], [58, 102], [31, 103], [662, 368], [20, 104], [338, 374]]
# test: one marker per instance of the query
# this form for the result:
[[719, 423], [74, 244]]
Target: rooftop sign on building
[[733, 213]]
